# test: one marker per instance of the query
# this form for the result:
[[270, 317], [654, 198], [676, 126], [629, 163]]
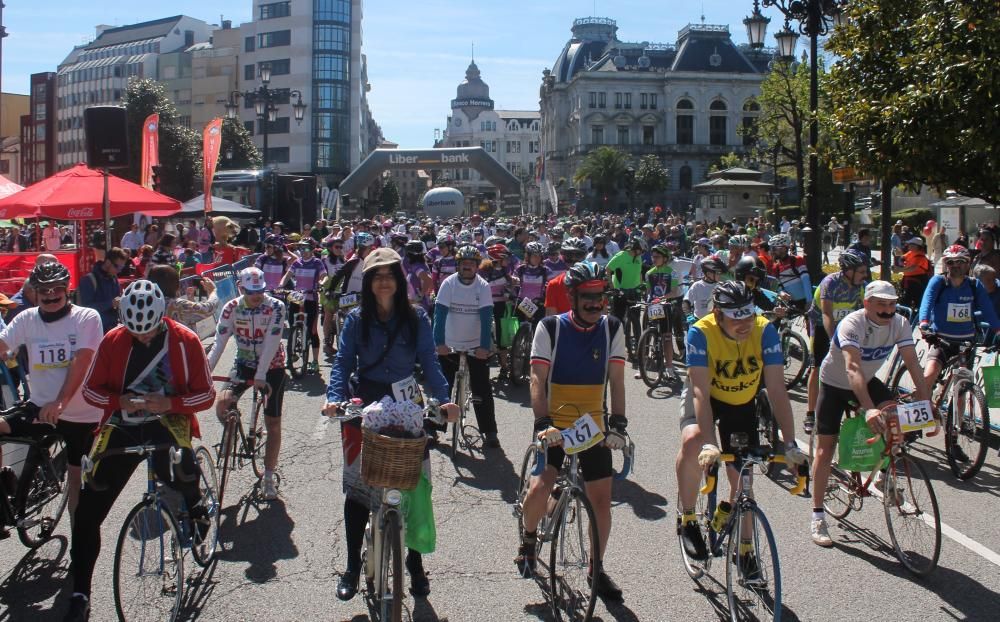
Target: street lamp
[[265, 104], [815, 19]]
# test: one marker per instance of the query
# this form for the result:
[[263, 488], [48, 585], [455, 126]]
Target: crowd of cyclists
[[394, 296]]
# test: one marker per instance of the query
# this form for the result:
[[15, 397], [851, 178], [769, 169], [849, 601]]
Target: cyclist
[[751, 271], [256, 320], [948, 308], [837, 295], [333, 259], [532, 276], [463, 315], [419, 284], [729, 352], [442, 259], [149, 377], [659, 283], [600, 254], [698, 297], [554, 262], [305, 275], [625, 273], [702, 250], [273, 263], [573, 356], [862, 342], [347, 280], [61, 339], [791, 272], [498, 272], [556, 295]]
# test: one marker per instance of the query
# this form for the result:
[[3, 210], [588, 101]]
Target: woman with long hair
[[600, 254], [381, 342]]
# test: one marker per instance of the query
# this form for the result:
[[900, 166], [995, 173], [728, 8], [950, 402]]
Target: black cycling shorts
[[833, 402], [276, 379], [942, 351], [820, 344], [732, 419], [79, 438], [595, 463]]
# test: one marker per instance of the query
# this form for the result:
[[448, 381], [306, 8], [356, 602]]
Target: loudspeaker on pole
[[107, 140]]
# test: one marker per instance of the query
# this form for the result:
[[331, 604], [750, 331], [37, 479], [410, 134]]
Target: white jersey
[[699, 295], [52, 346], [874, 342], [463, 324]]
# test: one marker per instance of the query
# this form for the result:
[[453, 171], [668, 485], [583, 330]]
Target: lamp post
[[265, 104], [815, 18]]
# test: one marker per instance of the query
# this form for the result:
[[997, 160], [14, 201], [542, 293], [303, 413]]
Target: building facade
[[683, 102], [97, 73], [512, 137], [38, 130]]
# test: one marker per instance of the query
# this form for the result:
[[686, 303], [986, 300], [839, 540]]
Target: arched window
[[718, 105], [717, 123], [751, 106], [685, 181], [685, 122]]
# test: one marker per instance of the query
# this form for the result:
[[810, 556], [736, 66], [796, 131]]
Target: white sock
[[819, 515]]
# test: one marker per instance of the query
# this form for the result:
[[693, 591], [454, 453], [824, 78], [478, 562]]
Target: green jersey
[[625, 270]]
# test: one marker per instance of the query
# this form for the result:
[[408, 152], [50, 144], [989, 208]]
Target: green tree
[[730, 160], [236, 140], [604, 167], [180, 147], [915, 94], [390, 196], [651, 178]]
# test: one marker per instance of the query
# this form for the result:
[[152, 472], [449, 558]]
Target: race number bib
[[527, 307], [839, 314], [655, 312], [959, 312], [915, 416], [348, 300], [582, 436], [52, 354], [407, 390]]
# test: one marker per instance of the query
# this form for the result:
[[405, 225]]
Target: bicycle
[[753, 579], [520, 349], [298, 337], [652, 363], [908, 499], [388, 469], [794, 348], [569, 524], [967, 419], [896, 359], [239, 445], [463, 436], [631, 323], [148, 571], [34, 502]]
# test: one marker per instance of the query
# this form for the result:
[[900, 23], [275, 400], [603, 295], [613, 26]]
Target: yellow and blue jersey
[[734, 367]]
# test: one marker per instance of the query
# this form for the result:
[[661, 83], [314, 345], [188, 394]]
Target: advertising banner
[[150, 149], [211, 144]]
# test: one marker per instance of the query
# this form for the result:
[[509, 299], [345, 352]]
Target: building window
[[249, 126], [643, 101], [618, 101], [533, 147], [685, 129], [652, 101], [487, 126], [332, 10], [628, 101], [717, 130], [717, 201], [332, 38], [278, 38], [280, 67], [513, 146], [602, 100], [648, 135], [275, 9], [330, 97], [623, 135], [330, 67], [597, 134], [249, 72], [280, 155], [593, 99], [685, 177], [248, 44], [278, 126]]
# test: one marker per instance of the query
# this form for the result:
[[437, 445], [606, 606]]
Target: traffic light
[[157, 180]]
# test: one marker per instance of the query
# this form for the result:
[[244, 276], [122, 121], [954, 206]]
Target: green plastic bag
[[991, 383], [418, 511], [855, 452], [508, 327]]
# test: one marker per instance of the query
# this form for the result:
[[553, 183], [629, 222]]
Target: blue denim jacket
[[398, 365]]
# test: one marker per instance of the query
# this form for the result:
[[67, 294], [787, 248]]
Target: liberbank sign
[[476, 158]]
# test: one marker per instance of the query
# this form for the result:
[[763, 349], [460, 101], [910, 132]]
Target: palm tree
[[604, 167]]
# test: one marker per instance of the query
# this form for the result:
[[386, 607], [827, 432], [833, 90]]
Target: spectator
[[938, 242], [132, 240], [141, 260], [988, 277], [192, 232], [67, 236], [179, 305], [864, 243], [51, 237], [206, 238], [152, 235], [164, 254], [99, 289], [191, 258], [916, 269]]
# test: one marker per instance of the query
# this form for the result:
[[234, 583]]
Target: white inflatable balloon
[[444, 203]]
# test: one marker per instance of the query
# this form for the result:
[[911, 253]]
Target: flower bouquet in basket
[[394, 419], [393, 442]]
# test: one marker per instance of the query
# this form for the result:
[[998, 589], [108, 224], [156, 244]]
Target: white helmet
[[141, 307]]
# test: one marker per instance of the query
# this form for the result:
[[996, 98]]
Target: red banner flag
[[150, 149], [211, 144]]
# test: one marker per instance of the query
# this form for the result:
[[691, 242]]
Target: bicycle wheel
[[296, 351], [523, 481], [967, 431], [389, 600], [456, 427], [41, 495], [520, 355], [256, 439], [753, 577], [650, 357], [204, 545], [901, 384], [573, 560], [148, 576], [225, 456], [838, 500], [767, 429], [796, 353], [912, 515], [635, 329]]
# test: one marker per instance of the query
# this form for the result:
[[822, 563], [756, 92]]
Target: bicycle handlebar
[[353, 409], [756, 457], [628, 451]]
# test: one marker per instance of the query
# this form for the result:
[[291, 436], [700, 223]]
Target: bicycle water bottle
[[721, 516]]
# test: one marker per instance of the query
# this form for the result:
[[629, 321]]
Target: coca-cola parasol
[[7, 187], [78, 194]]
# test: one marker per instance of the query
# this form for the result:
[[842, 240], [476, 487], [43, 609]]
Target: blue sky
[[417, 50]]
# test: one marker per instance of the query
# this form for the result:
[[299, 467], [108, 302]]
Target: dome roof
[[473, 95]]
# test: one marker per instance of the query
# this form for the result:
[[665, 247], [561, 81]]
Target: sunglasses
[[956, 262], [51, 291]]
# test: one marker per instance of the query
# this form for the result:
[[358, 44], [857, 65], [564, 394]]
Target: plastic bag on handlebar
[[418, 509]]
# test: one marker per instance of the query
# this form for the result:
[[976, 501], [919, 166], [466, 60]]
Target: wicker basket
[[388, 462]]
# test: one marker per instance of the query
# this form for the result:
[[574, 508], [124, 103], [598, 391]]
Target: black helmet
[[636, 244], [584, 272], [713, 263], [600, 238], [414, 247], [732, 295], [749, 266], [49, 274]]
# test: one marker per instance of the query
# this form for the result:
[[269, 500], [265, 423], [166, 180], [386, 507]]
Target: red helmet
[[498, 252]]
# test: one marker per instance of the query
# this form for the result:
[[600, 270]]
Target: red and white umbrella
[[7, 187]]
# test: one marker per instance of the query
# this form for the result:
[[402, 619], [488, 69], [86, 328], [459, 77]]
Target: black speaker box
[[107, 140]]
